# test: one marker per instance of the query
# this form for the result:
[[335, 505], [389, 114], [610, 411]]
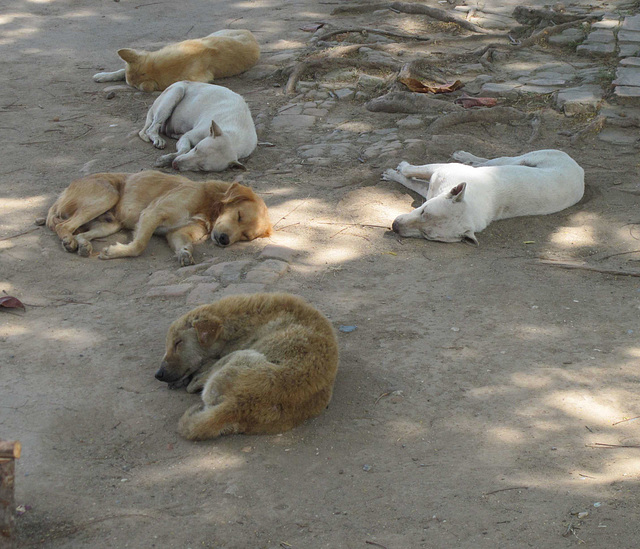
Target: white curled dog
[[213, 126], [462, 199]]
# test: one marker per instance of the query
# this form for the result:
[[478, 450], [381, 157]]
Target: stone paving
[[205, 282]]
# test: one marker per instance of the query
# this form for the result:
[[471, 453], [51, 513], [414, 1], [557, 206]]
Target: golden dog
[[265, 363], [151, 202], [224, 53]]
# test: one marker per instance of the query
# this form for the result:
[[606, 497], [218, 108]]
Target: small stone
[[247, 288], [282, 253], [411, 123], [366, 467], [118, 87], [596, 49], [344, 93], [193, 269], [160, 278], [263, 277], [228, 269], [173, 290], [110, 95], [202, 293], [292, 122], [580, 100], [40, 221], [601, 36]]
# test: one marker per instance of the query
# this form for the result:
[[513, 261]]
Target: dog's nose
[[223, 239], [161, 373], [174, 165], [394, 226]]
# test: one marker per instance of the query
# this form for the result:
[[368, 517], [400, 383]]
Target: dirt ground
[[472, 398]]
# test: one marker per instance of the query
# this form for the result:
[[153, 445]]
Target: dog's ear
[[215, 130], [237, 193], [129, 55], [457, 193], [207, 330], [470, 238]]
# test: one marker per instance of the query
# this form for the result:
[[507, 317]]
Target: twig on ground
[[18, 234], [628, 419], [294, 209], [535, 128], [604, 445], [352, 224], [505, 489], [619, 253], [580, 266], [376, 544]]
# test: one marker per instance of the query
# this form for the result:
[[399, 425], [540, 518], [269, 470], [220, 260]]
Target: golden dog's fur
[[221, 54], [151, 202], [265, 363]]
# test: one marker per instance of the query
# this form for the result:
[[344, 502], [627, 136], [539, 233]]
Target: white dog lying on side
[[213, 126], [463, 199]]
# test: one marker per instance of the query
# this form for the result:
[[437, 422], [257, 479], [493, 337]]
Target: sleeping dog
[[463, 199], [213, 126]]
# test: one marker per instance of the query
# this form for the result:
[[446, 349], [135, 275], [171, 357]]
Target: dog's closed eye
[[177, 344], [239, 217]]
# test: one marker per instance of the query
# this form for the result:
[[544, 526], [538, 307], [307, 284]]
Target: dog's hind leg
[[98, 229], [114, 76], [203, 422], [161, 111], [468, 158], [97, 198], [181, 241]]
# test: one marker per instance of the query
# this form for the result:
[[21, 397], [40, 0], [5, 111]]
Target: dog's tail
[[204, 422]]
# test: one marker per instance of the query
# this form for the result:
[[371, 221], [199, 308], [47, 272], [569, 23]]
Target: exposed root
[[535, 129], [550, 31], [495, 115], [583, 267], [437, 13], [367, 30], [407, 102]]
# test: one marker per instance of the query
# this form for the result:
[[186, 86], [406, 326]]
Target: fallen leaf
[[417, 86], [312, 28], [11, 302], [467, 101]]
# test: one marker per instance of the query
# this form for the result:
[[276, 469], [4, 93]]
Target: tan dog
[[151, 202], [265, 363], [224, 53]]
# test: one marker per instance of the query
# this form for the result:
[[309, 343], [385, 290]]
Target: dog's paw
[[158, 142], [143, 135], [185, 258], [463, 157], [190, 425], [403, 167], [164, 161], [102, 77], [85, 249], [70, 244], [115, 250], [389, 175], [197, 383]]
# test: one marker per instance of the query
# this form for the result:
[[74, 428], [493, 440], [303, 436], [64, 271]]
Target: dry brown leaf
[[417, 86], [312, 28], [11, 302]]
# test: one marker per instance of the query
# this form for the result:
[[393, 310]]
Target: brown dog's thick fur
[[221, 54], [265, 363], [150, 202]]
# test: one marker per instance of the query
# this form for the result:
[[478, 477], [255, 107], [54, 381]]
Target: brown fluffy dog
[[224, 53], [265, 363], [151, 202]]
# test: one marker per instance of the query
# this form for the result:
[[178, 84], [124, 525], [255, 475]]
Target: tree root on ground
[[595, 126], [367, 30], [495, 115], [411, 103]]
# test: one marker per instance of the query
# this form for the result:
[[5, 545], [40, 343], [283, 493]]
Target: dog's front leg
[[181, 241], [114, 76], [183, 146], [149, 221]]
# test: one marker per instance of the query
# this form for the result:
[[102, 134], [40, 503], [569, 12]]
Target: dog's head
[[214, 153], [190, 340], [444, 218], [136, 70], [244, 216]]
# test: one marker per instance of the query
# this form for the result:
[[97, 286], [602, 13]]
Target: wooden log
[[9, 452]]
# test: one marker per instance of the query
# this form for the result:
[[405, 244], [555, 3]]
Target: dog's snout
[[394, 227], [223, 239], [161, 373]]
